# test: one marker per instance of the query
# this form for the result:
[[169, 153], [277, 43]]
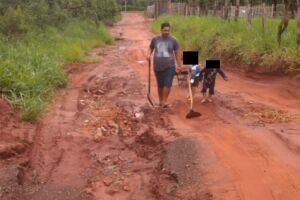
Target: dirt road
[[101, 140]]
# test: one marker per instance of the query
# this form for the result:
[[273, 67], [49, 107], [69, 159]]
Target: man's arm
[[150, 51], [178, 59]]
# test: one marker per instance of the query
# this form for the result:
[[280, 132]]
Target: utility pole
[[125, 5]]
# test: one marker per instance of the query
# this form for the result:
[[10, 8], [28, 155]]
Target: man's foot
[[203, 100]]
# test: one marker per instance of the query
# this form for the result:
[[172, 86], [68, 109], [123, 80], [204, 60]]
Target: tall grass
[[232, 41], [32, 68]]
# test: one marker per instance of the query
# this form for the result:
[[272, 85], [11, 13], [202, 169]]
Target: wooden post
[[156, 8], [169, 7], [248, 6], [215, 8], [237, 10], [272, 11], [230, 5], [226, 10]]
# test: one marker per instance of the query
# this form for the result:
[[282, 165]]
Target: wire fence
[[159, 7]]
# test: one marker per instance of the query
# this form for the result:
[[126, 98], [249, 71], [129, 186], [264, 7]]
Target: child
[[194, 71], [209, 77]]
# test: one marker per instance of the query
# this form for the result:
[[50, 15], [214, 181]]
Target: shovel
[[149, 84], [192, 113]]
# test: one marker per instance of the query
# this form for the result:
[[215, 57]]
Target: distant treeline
[[19, 16]]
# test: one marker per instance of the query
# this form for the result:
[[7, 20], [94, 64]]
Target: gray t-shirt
[[164, 52]]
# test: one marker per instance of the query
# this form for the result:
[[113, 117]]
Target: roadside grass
[[32, 67]]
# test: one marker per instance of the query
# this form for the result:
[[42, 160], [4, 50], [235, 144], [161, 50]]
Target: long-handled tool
[[192, 113], [149, 83]]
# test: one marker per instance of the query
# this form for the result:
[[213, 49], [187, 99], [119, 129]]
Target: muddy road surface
[[100, 139]]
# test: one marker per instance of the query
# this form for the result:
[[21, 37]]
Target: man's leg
[[161, 95], [166, 92], [160, 86], [168, 80]]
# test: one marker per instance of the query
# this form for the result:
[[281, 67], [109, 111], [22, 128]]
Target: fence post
[[168, 7], [272, 11]]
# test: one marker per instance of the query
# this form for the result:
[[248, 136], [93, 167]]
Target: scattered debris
[[139, 115], [126, 188], [270, 116], [98, 136]]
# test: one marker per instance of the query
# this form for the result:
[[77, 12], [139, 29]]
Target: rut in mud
[[101, 140]]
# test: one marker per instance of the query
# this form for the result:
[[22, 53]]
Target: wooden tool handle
[[190, 90]]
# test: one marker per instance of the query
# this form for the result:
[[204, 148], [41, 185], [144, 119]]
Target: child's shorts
[[211, 89]]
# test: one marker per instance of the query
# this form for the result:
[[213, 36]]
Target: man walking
[[166, 49]]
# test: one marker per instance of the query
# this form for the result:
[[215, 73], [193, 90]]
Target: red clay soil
[[101, 139]]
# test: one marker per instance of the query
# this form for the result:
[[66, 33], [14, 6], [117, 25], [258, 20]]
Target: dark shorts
[[165, 78], [210, 87]]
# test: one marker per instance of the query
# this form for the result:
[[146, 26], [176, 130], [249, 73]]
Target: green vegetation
[[232, 41], [37, 39]]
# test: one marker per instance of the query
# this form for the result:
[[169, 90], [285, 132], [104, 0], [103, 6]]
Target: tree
[[226, 9], [249, 14], [264, 17], [274, 8], [19, 15], [284, 22], [237, 10]]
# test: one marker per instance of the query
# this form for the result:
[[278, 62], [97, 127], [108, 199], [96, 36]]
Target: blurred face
[[165, 31]]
